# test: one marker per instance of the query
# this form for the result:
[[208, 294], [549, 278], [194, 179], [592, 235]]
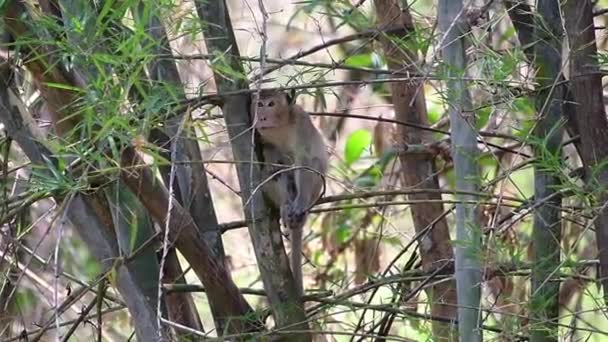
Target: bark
[[465, 154], [522, 17], [418, 171], [590, 117], [180, 306], [523, 20], [547, 219]]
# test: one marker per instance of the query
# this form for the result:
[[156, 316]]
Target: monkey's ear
[[291, 96]]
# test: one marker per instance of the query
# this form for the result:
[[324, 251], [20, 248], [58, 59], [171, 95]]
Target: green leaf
[[62, 86], [343, 233], [483, 115], [356, 143], [524, 106], [507, 34], [25, 299], [434, 114], [525, 129], [366, 181], [361, 61]]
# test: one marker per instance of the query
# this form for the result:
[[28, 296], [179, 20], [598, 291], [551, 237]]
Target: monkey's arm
[[276, 185], [308, 185]]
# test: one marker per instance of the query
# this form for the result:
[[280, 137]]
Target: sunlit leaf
[[356, 143], [343, 233], [361, 61], [482, 116]]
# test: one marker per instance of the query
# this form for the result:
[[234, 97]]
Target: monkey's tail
[[296, 258]]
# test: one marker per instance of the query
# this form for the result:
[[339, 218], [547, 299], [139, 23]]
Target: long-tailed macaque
[[291, 140]]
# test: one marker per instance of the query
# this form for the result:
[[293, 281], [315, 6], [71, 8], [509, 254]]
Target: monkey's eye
[[260, 104], [271, 104]]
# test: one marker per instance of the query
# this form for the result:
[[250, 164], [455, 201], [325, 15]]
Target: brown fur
[[290, 138]]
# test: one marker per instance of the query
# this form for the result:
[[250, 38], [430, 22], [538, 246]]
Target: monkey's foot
[[295, 218]]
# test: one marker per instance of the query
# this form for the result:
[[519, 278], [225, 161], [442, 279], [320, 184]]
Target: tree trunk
[[264, 229], [590, 118], [465, 154], [547, 151], [416, 171]]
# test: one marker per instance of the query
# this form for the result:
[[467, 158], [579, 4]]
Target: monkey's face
[[272, 111]]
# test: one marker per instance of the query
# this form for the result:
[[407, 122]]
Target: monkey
[[289, 138]]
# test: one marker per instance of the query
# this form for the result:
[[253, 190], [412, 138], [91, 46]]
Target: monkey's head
[[273, 110]]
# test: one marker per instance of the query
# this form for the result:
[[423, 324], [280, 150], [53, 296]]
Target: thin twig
[[79, 320], [166, 242]]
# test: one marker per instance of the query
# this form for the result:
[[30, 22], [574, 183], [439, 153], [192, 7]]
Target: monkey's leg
[[295, 231]]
